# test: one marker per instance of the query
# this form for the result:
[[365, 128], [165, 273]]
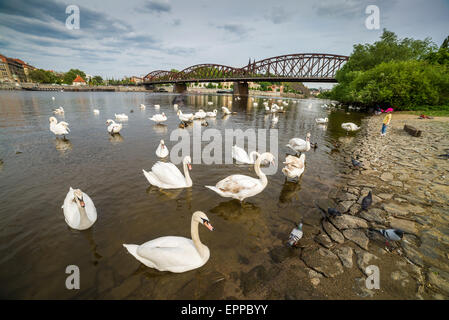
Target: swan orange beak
[[190, 166], [82, 203], [208, 225]]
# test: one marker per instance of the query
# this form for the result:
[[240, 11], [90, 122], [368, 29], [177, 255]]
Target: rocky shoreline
[[410, 187]]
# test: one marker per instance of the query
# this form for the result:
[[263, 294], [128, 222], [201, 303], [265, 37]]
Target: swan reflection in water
[[290, 191], [236, 210], [160, 128], [116, 138], [346, 140], [322, 126], [88, 235], [63, 145]]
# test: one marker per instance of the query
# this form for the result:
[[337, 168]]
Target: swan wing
[[237, 183], [240, 154], [168, 174], [70, 209], [91, 211]]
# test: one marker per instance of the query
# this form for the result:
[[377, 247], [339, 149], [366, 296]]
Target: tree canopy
[[71, 75]]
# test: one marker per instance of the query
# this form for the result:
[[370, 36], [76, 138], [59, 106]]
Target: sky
[[120, 38]]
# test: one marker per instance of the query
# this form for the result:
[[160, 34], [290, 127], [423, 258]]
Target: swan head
[[52, 120], [215, 111], [179, 112], [188, 161], [78, 197], [163, 114], [267, 157], [109, 121], [308, 136], [162, 144], [201, 217]]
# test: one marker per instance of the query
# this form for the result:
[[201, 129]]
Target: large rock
[[324, 240], [406, 225], [395, 209], [439, 279], [322, 260], [345, 205], [347, 221], [357, 236], [374, 215], [386, 176], [345, 255], [333, 232]]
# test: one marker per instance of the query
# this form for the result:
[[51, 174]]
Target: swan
[[142, 106], [159, 118], [96, 111], [299, 145], [200, 114], [255, 104], [240, 155], [121, 116], [162, 150], [239, 186], [275, 119], [212, 114], [349, 126], [294, 166], [113, 127], [59, 110], [225, 110], [61, 128], [322, 120], [167, 176], [210, 103], [156, 106], [79, 210], [186, 117], [53, 98], [175, 254]]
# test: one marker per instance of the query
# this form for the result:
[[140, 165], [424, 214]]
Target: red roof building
[[78, 81]]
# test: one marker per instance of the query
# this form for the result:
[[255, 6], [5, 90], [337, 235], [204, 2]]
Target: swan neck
[[253, 155], [196, 238], [187, 175], [259, 172]]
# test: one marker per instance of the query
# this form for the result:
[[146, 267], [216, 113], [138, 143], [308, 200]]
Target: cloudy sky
[[121, 38]]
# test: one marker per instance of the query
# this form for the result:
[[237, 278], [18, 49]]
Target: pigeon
[[356, 163], [390, 234], [331, 212], [366, 202], [295, 235], [444, 156], [314, 145]]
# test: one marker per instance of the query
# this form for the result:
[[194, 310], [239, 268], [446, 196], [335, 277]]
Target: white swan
[[255, 104], [349, 126], [240, 155], [59, 110], [79, 210], [294, 166], [142, 106], [96, 111], [175, 254], [200, 114], [121, 116], [212, 114], [156, 106], [162, 150], [159, 118], [210, 103], [53, 98], [59, 129], [275, 119], [166, 175], [225, 110], [299, 145], [113, 127], [186, 117], [239, 186], [322, 120]]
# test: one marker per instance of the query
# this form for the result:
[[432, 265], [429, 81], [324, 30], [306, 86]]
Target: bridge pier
[[179, 87], [240, 88]]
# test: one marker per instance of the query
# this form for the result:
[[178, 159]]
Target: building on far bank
[[14, 70], [79, 81], [136, 80], [5, 75]]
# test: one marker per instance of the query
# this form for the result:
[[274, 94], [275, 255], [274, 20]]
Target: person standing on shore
[[386, 122]]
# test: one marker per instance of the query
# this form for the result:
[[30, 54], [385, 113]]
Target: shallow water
[[36, 245]]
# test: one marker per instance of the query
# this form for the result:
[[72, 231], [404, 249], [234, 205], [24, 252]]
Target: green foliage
[[43, 76], [97, 80], [403, 73], [71, 75]]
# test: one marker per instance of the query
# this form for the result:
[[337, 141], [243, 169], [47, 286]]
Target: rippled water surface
[[36, 245]]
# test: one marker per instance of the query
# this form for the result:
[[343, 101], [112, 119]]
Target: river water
[[37, 169]]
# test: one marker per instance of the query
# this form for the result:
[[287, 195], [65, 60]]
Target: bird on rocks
[[330, 213], [295, 236], [366, 202], [356, 163], [390, 234]]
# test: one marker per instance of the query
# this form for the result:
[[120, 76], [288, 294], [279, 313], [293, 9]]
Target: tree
[[97, 80], [71, 75]]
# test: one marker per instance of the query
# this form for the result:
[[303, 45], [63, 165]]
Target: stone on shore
[[322, 260], [357, 236], [346, 221], [333, 232], [405, 225], [345, 255], [364, 259]]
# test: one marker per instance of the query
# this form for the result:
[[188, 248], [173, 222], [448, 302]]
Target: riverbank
[[49, 87], [410, 189]]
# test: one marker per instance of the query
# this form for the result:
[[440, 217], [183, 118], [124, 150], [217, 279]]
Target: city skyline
[[136, 37]]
